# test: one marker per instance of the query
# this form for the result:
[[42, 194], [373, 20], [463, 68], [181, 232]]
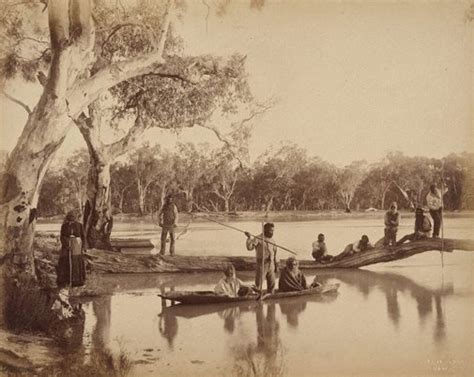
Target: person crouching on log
[[266, 251], [230, 285], [392, 219], [168, 218], [291, 277], [422, 228], [357, 247], [320, 251], [71, 271]]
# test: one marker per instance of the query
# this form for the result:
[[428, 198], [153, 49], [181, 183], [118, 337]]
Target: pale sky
[[353, 80]]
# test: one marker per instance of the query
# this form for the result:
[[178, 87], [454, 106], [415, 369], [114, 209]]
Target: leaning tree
[[72, 76]]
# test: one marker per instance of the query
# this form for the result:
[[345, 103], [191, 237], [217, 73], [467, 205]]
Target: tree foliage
[[282, 179]]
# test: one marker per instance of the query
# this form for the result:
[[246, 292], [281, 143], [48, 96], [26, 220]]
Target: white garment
[[433, 201], [228, 287]]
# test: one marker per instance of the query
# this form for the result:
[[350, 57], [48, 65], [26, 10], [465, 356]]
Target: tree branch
[[117, 28], [18, 102], [81, 25], [86, 91], [122, 146], [58, 16]]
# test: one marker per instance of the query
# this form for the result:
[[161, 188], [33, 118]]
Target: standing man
[[266, 256], [168, 218], [434, 201], [392, 220]]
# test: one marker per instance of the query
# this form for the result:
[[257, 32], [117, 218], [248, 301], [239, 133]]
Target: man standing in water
[[266, 256], [168, 217], [434, 201]]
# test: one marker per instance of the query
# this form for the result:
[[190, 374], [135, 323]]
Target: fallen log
[[385, 254], [113, 262]]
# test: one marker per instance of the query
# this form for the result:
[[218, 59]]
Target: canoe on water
[[209, 297]]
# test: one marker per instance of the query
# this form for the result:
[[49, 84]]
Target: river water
[[409, 317]]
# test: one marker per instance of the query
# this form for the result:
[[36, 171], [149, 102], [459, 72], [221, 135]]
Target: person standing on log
[[434, 201], [392, 219], [266, 256], [168, 218], [71, 270], [422, 228]]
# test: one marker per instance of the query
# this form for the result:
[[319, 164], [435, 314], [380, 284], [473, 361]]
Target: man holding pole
[[265, 249], [434, 201]]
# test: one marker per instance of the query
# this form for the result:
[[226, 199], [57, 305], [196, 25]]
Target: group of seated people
[[422, 230], [291, 279]]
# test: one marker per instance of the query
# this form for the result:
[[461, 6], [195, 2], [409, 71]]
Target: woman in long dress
[[71, 270]]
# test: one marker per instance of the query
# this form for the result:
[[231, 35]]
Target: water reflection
[[251, 332], [168, 323], [101, 307], [392, 284]]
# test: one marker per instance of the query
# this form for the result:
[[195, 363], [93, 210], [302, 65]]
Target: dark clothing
[[291, 281], [319, 251], [390, 236], [168, 216], [422, 230], [164, 234], [437, 216], [392, 220], [71, 269]]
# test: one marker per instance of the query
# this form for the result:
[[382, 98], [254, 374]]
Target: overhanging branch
[[17, 101]]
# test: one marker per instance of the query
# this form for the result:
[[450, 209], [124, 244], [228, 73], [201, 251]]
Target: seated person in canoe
[[320, 251], [291, 278], [230, 285], [422, 227], [357, 247]]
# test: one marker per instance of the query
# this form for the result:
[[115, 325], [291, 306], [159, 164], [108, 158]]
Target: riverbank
[[271, 216]]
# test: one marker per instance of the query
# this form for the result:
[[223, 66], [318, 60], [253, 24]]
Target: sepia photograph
[[240, 188]]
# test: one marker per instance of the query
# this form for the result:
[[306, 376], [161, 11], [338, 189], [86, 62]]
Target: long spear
[[442, 210], [245, 232]]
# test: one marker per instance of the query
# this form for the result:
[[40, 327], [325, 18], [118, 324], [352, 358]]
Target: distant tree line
[[285, 178]]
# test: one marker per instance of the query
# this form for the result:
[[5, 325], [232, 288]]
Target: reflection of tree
[[391, 285]]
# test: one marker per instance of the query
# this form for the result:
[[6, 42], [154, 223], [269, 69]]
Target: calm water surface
[[407, 317]]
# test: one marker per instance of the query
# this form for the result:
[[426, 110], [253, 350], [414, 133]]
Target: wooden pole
[[263, 260], [243, 231], [442, 210]]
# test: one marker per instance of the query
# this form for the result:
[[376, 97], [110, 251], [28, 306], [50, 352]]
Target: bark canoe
[[209, 297], [112, 262]]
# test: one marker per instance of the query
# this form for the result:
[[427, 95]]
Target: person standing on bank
[[265, 250], [168, 218], [434, 201], [71, 271]]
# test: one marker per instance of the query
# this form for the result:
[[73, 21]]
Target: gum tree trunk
[[68, 90]]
